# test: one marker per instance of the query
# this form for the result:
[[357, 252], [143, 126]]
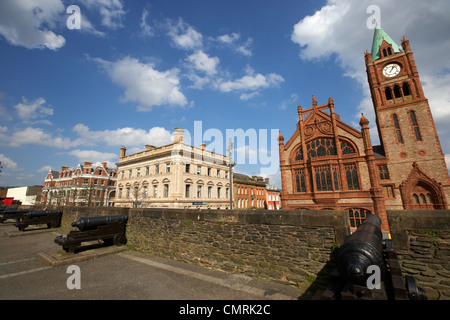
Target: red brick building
[[249, 192], [86, 185], [328, 164]]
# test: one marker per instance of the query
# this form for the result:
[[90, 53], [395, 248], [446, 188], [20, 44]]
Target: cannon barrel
[[363, 249], [91, 223], [14, 211], [40, 213]]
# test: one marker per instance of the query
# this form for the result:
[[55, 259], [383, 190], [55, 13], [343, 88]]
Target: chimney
[[64, 168], [203, 146], [122, 152], [104, 164], [178, 135], [87, 163]]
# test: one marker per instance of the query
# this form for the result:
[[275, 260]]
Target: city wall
[[291, 247]]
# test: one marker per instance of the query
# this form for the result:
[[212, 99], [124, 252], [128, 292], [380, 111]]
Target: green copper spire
[[378, 37]]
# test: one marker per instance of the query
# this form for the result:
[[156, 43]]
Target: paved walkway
[[118, 275]]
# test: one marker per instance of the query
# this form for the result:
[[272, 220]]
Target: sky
[[81, 78]]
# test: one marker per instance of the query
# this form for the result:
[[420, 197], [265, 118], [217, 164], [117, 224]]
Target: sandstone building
[[173, 176], [328, 164]]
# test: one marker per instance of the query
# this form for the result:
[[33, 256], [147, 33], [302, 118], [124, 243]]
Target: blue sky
[[136, 70]]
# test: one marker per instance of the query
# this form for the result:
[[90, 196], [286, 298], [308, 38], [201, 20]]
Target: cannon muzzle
[[363, 249]]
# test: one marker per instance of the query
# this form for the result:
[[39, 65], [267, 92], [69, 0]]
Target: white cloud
[[28, 111], [36, 136], [202, 62], [146, 29], [156, 136], [251, 82], [144, 84], [27, 23], [339, 30], [184, 36], [111, 11], [93, 155], [231, 40], [44, 169], [248, 96], [8, 164]]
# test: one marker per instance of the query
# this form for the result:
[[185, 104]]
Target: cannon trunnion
[[109, 229], [368, 269]]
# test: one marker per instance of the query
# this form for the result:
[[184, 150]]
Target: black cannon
[[12, 213], [52, 218], [368, 268], [109, 229]]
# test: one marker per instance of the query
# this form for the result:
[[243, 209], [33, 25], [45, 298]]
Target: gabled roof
[[378, 37]]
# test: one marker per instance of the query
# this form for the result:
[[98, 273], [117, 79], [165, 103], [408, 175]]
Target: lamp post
[[230, 163]]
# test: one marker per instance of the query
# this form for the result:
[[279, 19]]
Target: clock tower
[[408, 136]]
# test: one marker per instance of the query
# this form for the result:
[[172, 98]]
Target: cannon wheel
[[119, 239]]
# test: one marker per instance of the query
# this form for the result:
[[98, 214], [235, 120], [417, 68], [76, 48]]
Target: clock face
[[391, 70]]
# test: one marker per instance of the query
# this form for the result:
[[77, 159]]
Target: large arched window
[[321, 148]]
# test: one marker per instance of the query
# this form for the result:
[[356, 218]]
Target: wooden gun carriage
[[109, 229]]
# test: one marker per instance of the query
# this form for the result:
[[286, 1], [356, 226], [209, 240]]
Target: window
[[218, 173], [138, 172], [352, 177], [397, 129], [209, 192], [299, 155], [218, 192], [188, 168], [388, 93], [166, 191], [128, 193], [357, 216], [321, 148], [155, 191], [199, 169], [346, 148], [323, 179], [226, 174], [300, 181], [147, 171], [227, 193], [167, 167], [397, 92], [157, 169], [388, 192], [406, 89], [145, 192], [384, 173], [199, 191], [120, 193], [412, 116], [209, 172], [187, 190], [129, 173]]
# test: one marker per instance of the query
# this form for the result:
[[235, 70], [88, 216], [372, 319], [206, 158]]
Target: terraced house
[[173, 176]]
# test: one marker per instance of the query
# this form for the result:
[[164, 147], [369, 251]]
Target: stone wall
[[422, 240], [291, 247], [285, 246]]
